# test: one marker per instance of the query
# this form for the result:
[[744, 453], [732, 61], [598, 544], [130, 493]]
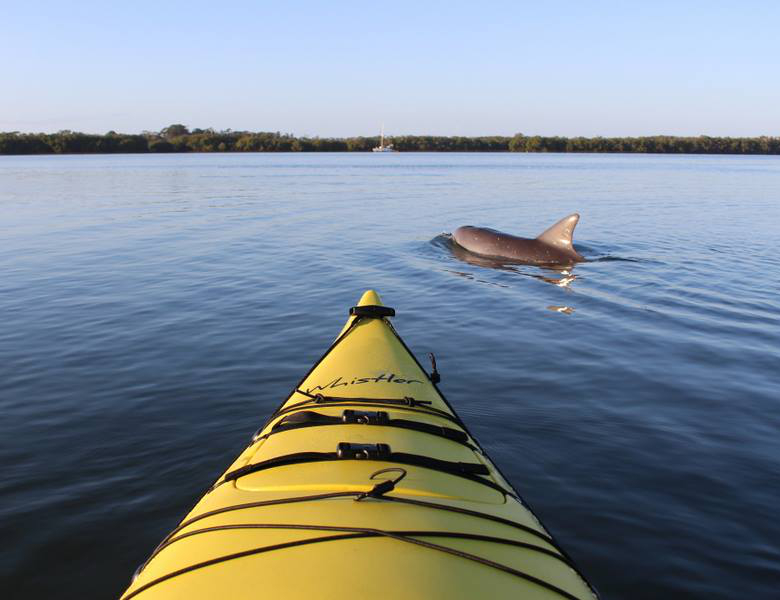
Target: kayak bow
[[363, 483]]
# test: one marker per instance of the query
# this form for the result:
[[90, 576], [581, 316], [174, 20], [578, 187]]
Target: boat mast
[[382, 136]]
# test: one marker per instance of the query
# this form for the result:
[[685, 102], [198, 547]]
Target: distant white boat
[[381, 147]]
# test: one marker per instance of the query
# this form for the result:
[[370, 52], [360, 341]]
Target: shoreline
[[177, 139]]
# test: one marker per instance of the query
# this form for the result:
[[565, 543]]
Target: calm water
[[155, 309]]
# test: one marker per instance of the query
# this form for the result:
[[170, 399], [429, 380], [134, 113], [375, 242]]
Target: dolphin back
[[553, 246]]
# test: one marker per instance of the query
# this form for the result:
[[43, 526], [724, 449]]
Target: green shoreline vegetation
[[178, 138]]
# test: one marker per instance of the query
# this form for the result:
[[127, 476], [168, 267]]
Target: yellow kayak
[[364, 483]]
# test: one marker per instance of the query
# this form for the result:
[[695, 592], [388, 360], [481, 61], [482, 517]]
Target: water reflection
[[558, 276], [566, 310]]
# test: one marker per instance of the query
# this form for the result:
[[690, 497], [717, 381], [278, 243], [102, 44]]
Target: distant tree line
[[178, 138], [655, 144]]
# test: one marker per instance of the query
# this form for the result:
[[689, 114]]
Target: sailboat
[[381, 147]]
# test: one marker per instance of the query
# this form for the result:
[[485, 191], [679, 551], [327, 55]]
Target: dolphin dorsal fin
[[560, 234]]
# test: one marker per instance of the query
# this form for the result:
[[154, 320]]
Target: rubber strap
[[470, 471], [408, 403], [309, 418], [372, 311]]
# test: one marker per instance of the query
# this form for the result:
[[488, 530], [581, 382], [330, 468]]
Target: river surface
[[155, 309]]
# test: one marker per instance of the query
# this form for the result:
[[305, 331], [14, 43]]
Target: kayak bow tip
[[370, 298]]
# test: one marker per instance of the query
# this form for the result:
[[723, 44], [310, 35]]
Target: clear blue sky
[[342, 68]]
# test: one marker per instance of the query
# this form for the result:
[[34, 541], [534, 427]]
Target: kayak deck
[[364, 482]]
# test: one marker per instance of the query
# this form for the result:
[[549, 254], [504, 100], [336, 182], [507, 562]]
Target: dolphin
[[553, 246]]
